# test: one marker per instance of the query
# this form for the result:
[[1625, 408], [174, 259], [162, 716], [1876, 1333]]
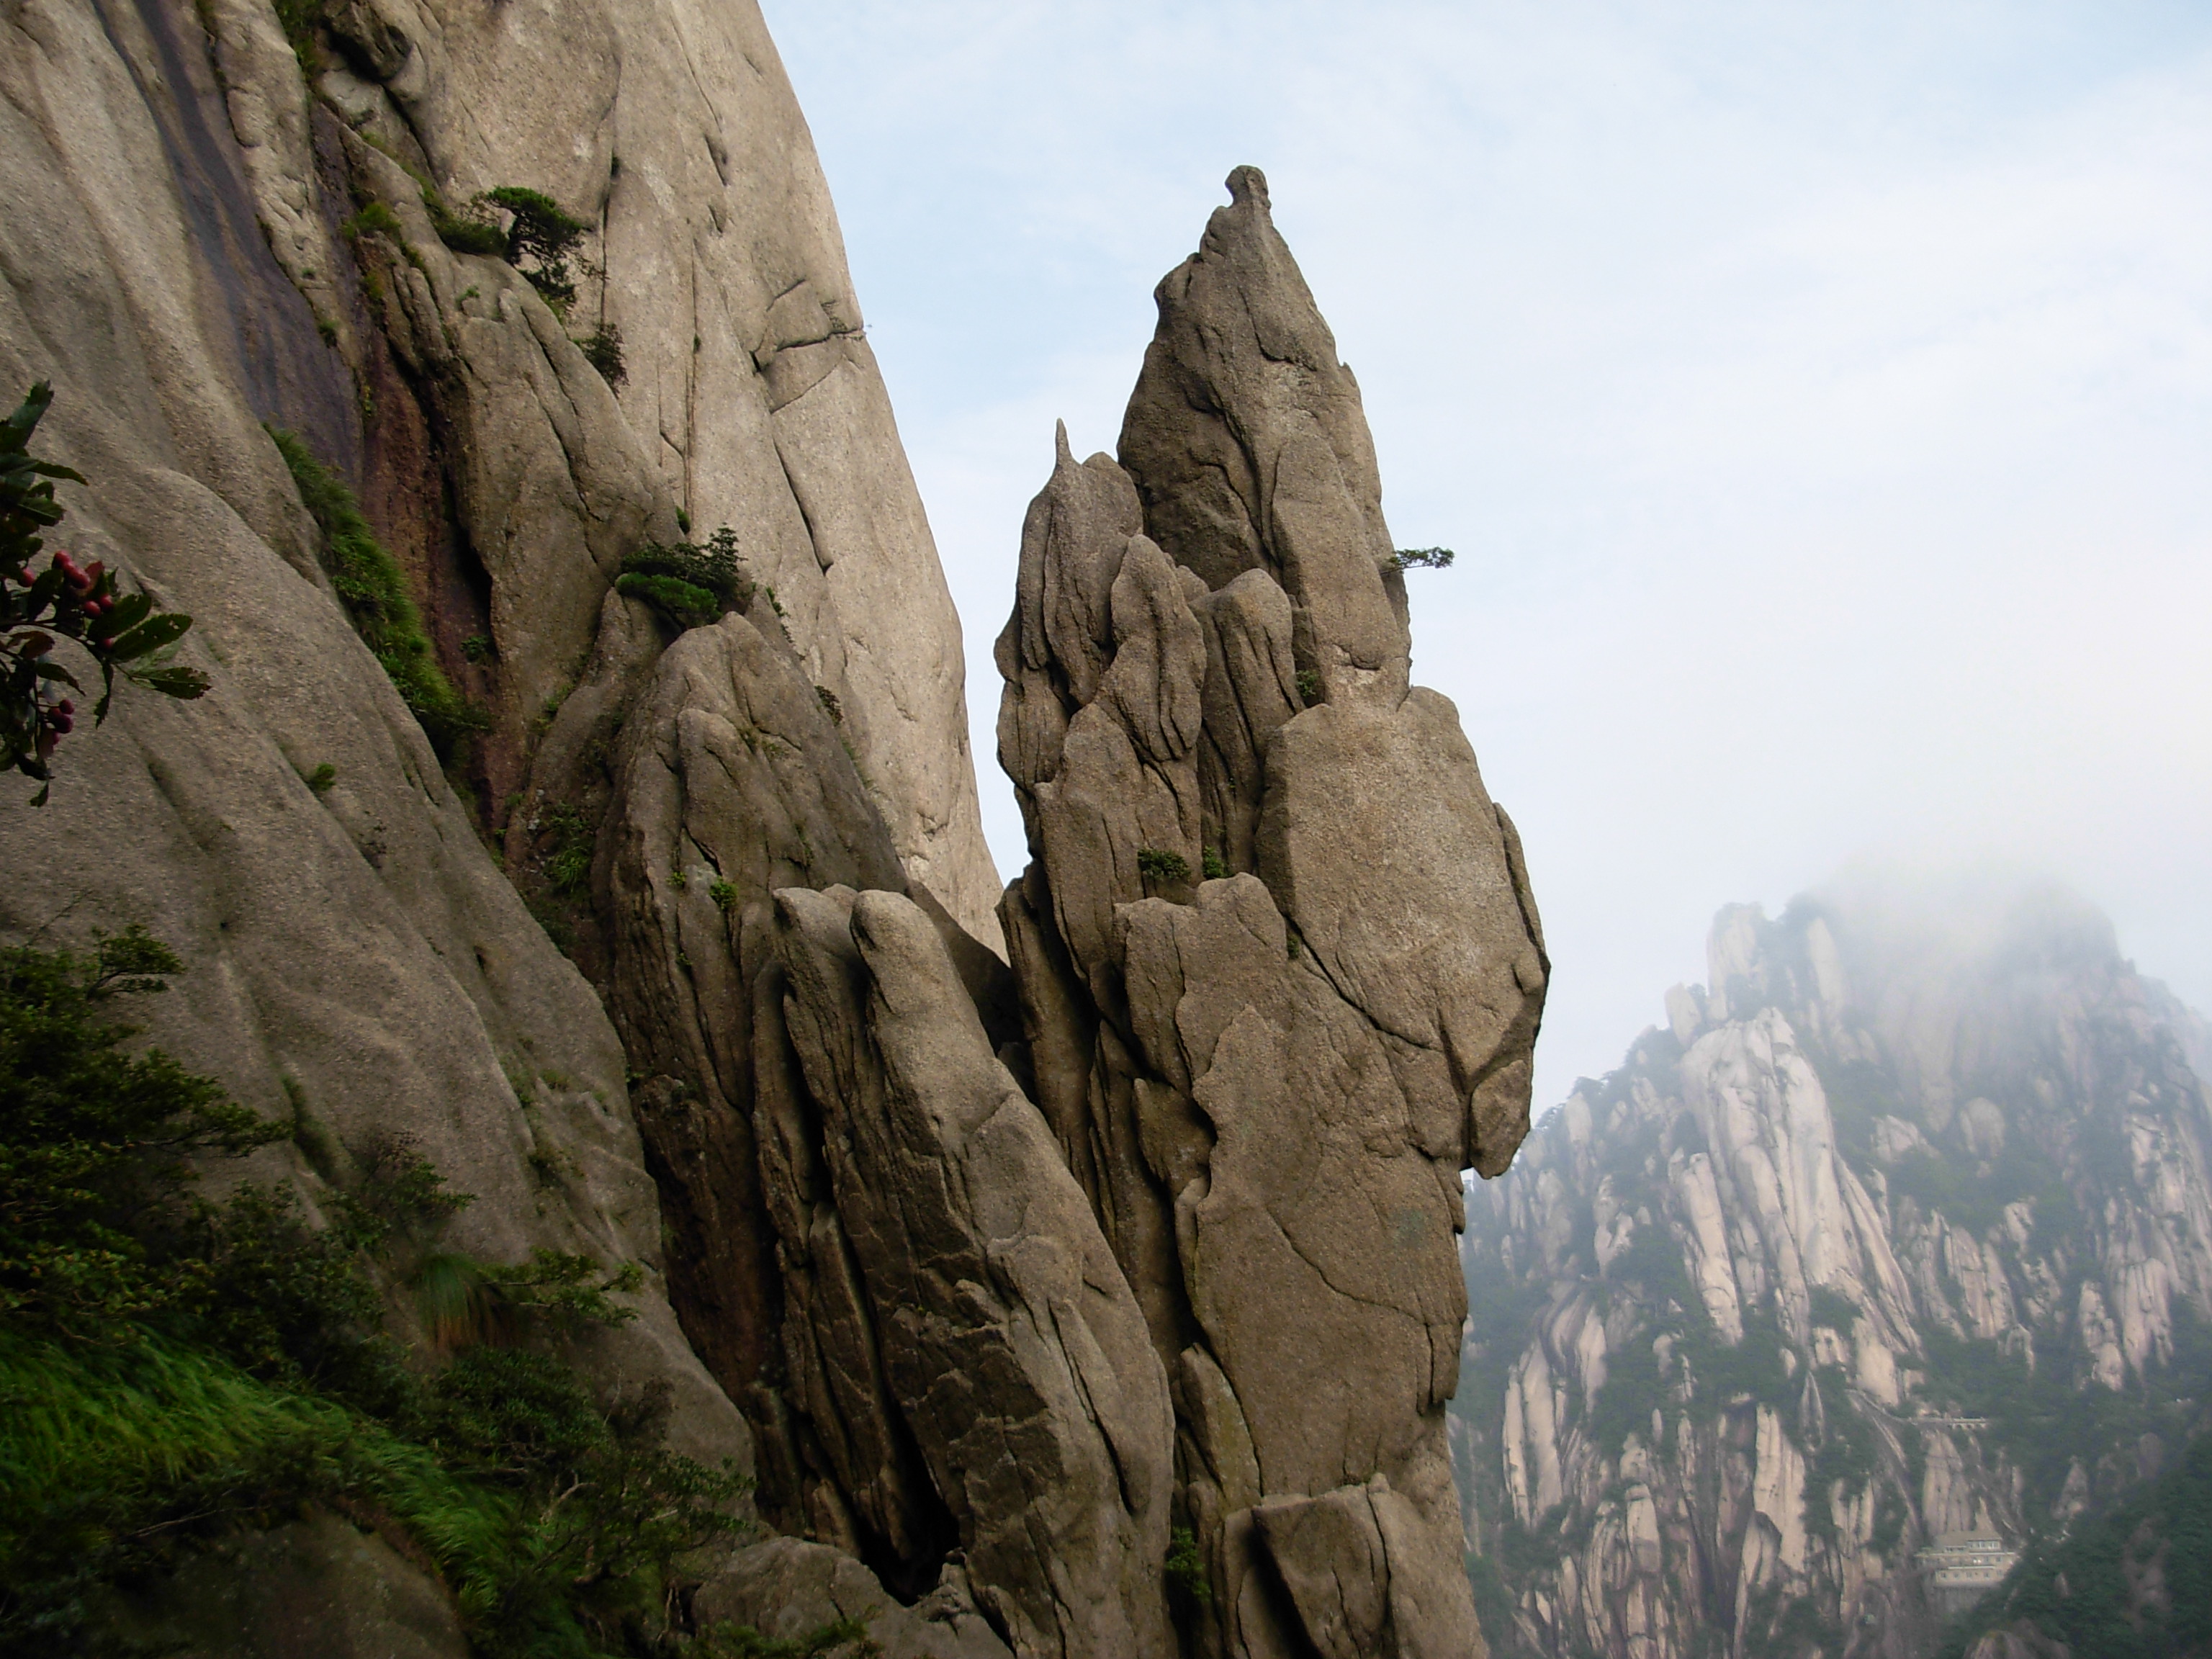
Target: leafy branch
[[85, 604]]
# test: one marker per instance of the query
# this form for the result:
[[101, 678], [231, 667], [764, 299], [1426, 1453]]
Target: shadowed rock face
[[1280, 968]]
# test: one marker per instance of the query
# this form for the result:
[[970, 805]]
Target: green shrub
[[1211, 862], [299, 20], [724, 893], [1848, 1454], [2083, 1590], [376, 218], [671, 596], [1830, 1308], [473, 229], [686, 583], [374, 590], [1632, 1387], [538, 231], [1185, 1567], [170, 1369], [1309, 686], [568, 861], [1157, 865], [93, 1140], [323, 779], [1422, 558], [603, 350]]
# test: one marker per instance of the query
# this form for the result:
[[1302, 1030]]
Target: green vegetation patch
[[173, 1368], [2077, 1590], [374, 591], [1422, 558], [687, 584], [603, 350], [1159, 865]]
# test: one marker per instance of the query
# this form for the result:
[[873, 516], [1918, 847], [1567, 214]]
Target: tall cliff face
[[1902, 1228], [210, 226], [982, 1268], [1279, 967]]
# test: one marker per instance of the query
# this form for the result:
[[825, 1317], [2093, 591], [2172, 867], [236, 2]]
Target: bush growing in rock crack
[[687, 584], [1161, 865]]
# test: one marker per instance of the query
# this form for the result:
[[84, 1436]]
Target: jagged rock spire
[[1279, 968]]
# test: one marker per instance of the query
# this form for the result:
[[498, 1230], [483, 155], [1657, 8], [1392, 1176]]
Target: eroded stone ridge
[[1279, 968]]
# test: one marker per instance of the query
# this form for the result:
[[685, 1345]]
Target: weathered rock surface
[[1279, 965], [752, 396], [786, 1589], [316, 1585], [992, 1323], [1887, 1235]]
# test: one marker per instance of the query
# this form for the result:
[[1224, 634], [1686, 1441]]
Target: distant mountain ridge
[[1915, 1152]]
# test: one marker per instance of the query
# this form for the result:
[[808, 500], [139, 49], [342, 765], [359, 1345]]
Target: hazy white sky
[[1819, 398]]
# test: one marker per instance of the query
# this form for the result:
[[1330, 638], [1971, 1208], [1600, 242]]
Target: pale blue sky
[[1819, 398]]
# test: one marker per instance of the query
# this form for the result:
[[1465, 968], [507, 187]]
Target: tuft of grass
[[376, 218], [568, 865], [724, 893], [374, 591], [323, 779]]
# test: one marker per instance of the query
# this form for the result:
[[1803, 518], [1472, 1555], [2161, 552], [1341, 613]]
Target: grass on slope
[[374, 590]]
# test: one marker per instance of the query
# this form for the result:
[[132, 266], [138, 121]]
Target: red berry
[[65, 706], [106, 644]]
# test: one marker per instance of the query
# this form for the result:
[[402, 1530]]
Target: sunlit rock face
[[1278, 965], [1902, 1227]]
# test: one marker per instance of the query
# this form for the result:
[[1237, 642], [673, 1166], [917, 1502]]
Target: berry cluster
[[82, 604]]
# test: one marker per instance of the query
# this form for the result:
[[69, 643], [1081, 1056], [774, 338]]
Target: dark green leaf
[[151, 636], [171, 682]]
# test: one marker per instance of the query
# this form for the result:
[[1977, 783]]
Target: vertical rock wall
[[353, 953]]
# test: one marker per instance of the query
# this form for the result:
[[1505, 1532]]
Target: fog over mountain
[[1816, 395], [1883, 1260]]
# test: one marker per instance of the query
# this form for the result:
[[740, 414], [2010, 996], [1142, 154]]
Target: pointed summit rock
[[1248, 446], [1279, 968]]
